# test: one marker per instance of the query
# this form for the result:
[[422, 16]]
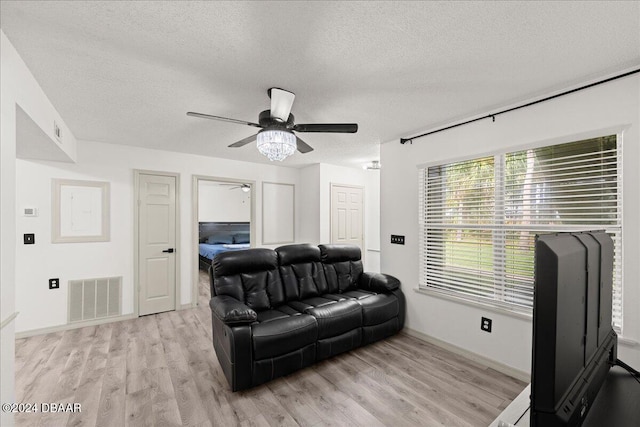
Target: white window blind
[[478, 218]]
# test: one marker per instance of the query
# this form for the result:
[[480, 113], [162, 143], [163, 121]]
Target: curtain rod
[[493, 115]]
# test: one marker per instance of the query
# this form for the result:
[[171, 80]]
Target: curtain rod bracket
[[405, 140]]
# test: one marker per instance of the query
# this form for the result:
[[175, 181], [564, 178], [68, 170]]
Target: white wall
[[370, 180], [221, 203], [35, 264], [568, 118], [19, 89], [372, 219], [315, 206], [309, 201]]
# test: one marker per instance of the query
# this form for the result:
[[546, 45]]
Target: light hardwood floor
[[161, 370]]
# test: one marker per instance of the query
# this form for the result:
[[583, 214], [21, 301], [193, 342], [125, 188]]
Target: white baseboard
[[500, 367], [10, 318], [74, 325]]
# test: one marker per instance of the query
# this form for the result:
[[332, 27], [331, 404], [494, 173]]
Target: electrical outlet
[[54, 283], [397, 240], [485, 324], [29, 239]]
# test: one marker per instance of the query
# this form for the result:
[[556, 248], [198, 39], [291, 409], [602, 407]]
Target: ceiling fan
[[276, 139], [244, 187]]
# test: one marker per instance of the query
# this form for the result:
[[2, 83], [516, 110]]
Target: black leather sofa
[[277, 311]]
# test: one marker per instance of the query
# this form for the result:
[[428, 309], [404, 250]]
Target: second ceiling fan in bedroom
[[277, 139]]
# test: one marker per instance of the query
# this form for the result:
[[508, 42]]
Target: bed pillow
[[220, 239], [241, 238]]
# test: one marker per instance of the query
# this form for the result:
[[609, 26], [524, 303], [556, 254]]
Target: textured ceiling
[[127, 72]]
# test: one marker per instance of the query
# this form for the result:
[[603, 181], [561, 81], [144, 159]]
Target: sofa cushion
[[305, 304], [336, 297], [342, 266], [250, 276], [358, 294], [284, 335], [280, 312], [379, 308], [338, 318], [339, 252], [301, 271]]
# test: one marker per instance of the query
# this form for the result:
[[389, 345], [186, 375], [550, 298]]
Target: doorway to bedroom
[[224, 220]]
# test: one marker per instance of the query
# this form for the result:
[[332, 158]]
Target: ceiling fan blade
[[327, 127], [281, 102], [223, 119], [244, 142], [303, 147]]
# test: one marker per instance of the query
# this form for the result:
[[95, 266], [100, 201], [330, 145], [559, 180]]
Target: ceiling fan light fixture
[[276, 144]]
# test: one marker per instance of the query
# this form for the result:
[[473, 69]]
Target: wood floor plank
[[444, 394], [185, 390], [112, 405], [339, 399], [270, 407], [257, 421], [161, 370], [382, 407], [492, 381], [297, 406], [69, 379], [89, 390], [38, 356], [163, 400]]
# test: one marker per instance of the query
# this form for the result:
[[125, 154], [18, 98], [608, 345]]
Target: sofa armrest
[[378, 282], [231, 311]]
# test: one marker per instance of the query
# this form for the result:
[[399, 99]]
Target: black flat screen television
[[574, 344]]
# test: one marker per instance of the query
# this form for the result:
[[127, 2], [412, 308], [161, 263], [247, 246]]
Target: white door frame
[[336, 184], [136, 237], [195, 265]]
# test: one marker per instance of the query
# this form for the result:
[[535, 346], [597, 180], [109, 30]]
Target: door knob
[[170, 250]]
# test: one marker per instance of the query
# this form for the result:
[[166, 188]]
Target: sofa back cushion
[[342, 266], [301, 271], [250, 276]]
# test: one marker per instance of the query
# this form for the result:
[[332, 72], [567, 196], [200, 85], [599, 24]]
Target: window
[[478, 218]]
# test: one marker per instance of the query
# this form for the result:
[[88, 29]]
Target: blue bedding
[[209, 251]]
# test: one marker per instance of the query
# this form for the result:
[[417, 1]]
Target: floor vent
[[94, 298]]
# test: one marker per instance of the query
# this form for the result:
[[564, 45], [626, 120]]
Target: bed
[[217, 237]]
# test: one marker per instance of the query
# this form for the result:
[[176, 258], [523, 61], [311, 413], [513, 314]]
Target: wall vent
[[94, 298]]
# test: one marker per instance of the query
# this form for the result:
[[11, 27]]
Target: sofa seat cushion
[[338, 318], [280, 336], [305, 304], [358, 294], [336, 297], [379, 308], [277, 313]]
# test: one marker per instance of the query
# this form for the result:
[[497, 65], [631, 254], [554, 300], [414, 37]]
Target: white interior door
[[156, 243], [347, 214]]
